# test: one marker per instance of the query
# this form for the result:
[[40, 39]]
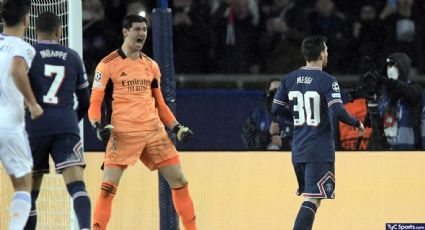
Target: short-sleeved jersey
[[133, 106], [56, 74], [308, 92], [12, 113]]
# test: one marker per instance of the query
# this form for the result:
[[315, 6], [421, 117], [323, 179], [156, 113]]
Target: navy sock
[[32, 219], [305, 217], [81, 202]]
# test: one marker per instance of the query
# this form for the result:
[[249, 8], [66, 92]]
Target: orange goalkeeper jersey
[[133, 106]]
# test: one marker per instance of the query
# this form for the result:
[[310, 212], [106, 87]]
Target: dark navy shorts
[[316, 180], [66, 150]]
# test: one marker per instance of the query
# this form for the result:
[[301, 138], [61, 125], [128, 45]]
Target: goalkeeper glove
[[183, 133], [104, 133]]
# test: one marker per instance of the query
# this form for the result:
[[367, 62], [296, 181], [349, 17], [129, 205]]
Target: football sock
[[81, 202], [19, 210], [32, 219], [184, 207], [305, 217], [103, 209]]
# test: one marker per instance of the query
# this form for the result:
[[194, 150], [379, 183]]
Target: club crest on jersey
[[335, 86], [304, 80], [97, 76]]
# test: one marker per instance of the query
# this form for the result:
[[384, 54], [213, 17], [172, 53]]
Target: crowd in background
[[264, 36]]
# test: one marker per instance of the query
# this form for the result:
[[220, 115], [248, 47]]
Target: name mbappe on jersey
[[48, 53]]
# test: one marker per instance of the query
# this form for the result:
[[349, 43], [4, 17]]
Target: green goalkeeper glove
[[183, 133]]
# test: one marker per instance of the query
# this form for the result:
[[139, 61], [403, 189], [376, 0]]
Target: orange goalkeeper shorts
[[152, 147]]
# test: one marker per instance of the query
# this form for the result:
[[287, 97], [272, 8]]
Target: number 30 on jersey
[[307, 106]]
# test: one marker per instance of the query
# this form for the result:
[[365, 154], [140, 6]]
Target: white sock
[[19, 210]]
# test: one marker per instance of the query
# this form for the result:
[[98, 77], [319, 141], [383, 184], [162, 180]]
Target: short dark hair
[[13, 11], [47, 22], [312, 47], [130, 19]]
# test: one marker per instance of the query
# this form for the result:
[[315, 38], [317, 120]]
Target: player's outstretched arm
[[20, 77], [183, 133], [339, 113]]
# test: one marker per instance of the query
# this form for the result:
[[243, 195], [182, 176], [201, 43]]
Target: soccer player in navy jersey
[[312, 97], [56, 74]]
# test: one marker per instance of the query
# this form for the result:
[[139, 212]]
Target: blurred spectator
[[137, 8], [261, 131], [419, 7], [326, 21], [235, 36], [99, 38], [389, 8], [368, 36], [190, 35], [400, 104], [401, 31], [114, 11], [285, 26]]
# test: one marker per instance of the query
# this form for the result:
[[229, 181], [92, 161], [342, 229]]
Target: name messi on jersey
[[47, 53], [136, 84], [304, 80]]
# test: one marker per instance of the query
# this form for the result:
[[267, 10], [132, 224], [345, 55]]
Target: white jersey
[[12, 113]]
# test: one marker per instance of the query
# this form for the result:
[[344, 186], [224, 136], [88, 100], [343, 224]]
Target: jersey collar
[[121, 53], [47, 42], [123, 56], [311, 68]]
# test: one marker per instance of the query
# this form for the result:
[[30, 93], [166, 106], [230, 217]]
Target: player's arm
[[19, 72], [167, 117], [82, 91], [338, 112], [100, 80], [280, 105], [83, 96]]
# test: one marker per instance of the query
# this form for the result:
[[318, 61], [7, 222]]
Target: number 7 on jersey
[[58, 73]]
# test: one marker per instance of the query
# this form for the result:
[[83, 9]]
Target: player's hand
[[183, 133], [103, 133], [35, 110], [361, 129]]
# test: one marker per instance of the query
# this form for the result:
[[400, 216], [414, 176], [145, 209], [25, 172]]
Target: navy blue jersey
[[309, 94], [56, 74]]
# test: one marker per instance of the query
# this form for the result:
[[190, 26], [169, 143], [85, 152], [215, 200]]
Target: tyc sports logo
[[397, 226]]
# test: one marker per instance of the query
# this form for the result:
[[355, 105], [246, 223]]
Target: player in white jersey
[[15, 91]]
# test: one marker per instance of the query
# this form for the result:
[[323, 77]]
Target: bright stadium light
[[142, 13]]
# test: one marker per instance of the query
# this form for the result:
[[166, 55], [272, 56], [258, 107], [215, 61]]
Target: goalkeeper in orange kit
[[138, 116]]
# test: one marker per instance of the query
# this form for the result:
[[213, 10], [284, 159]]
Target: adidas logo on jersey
[[123, 74]]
